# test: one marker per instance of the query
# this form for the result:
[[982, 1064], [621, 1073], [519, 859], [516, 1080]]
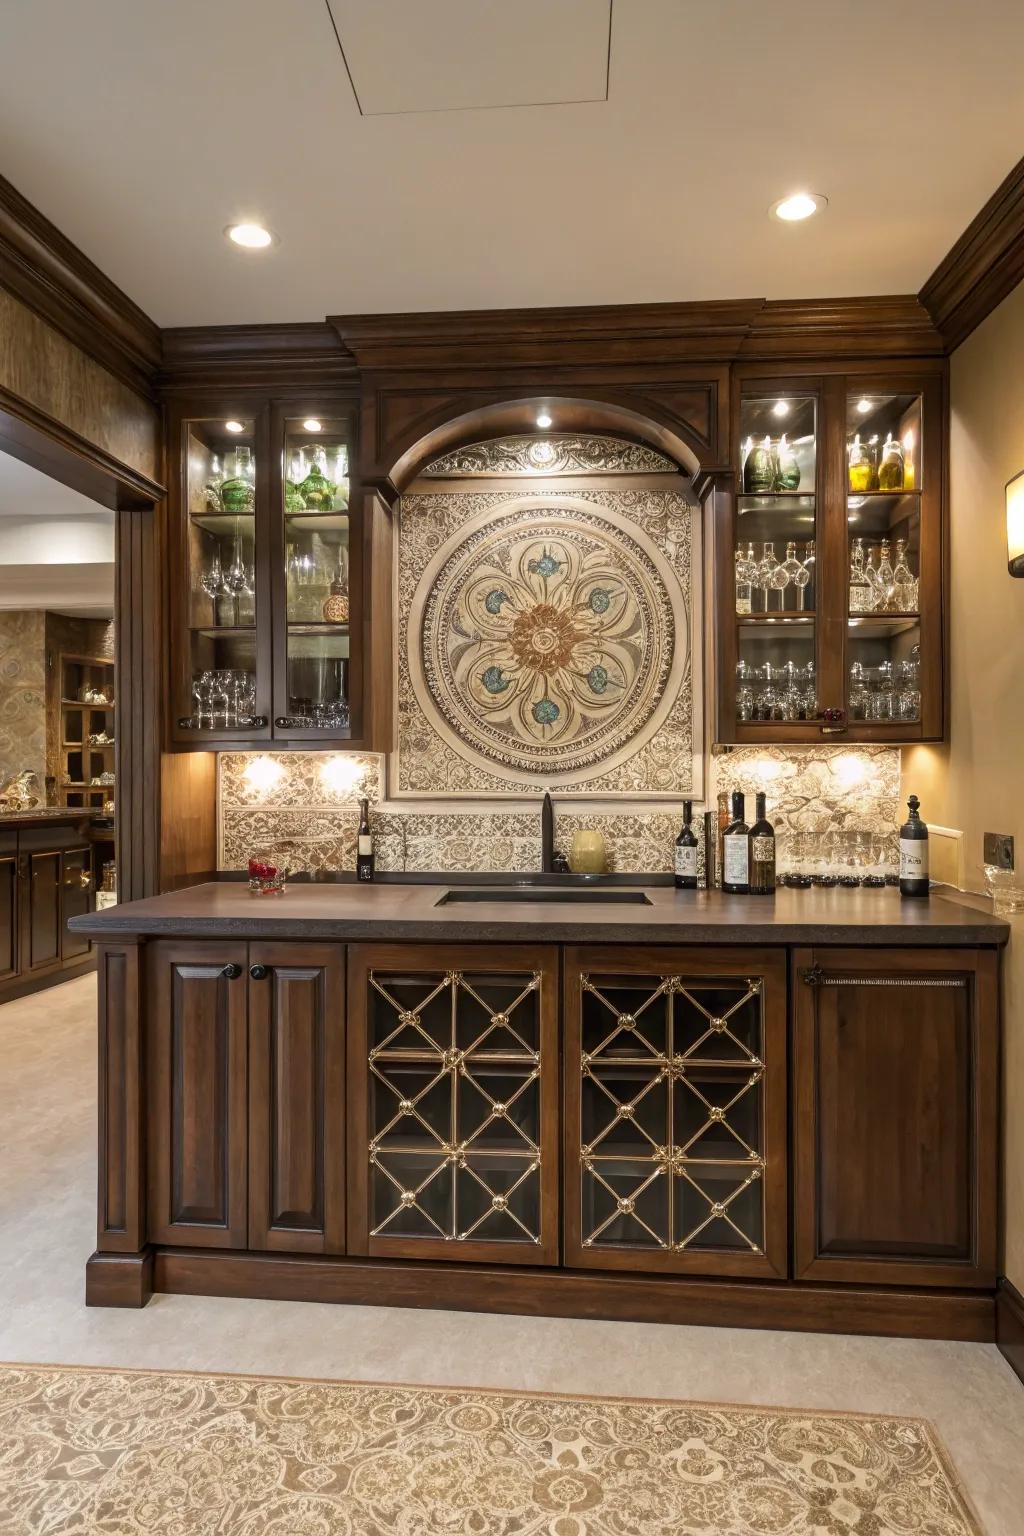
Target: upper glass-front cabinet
[[831, 626], [271, 579]]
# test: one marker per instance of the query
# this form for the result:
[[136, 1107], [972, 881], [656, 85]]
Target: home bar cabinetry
[[357, 1098]]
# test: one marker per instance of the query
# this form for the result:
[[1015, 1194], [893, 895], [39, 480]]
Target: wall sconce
[[1015, 524]]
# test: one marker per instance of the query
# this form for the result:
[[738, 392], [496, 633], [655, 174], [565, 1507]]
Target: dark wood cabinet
[[76, 898], [297, 1097], [46, 878], [44, 895], [675, 1111], [895, 1125], [804, 653], [9, 926], [453, 1102], [196, 1054]]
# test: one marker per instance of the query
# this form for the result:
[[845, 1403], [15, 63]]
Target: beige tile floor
[[47, 1183]]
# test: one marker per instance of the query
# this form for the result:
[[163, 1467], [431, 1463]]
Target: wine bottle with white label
[[914, 853], [762, 852], [364, 844], [736, 849], [686, 852]]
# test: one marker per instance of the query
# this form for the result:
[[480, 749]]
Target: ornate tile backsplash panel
[[305, 808], [547, 639], [22, 693]]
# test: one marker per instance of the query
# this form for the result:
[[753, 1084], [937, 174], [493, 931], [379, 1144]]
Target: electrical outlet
[[999, 850]]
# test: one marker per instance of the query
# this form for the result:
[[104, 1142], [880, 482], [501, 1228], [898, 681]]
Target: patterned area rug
[[87, 1452]]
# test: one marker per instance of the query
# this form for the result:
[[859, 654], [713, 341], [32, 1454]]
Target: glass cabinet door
[[776, 558], [224, 690], [315, 692], [886, 480]]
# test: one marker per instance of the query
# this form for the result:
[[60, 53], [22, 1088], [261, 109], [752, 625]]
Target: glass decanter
[[890, 470], [238, 493], [336, 603], [766, 575], [213, 484], [317, 491], [761, 469], [860, 587], [340, 473], [904, 581], [743, 575], [797, 575], [788, 470], [861, 473], [886, 579], [297, 472], [876, 595]]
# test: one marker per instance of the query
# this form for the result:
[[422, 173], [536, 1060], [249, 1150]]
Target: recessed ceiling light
[[253, 237], [799, 205], [543, 420], [311, 425], [863, 406], [234, 426], [780, 408]]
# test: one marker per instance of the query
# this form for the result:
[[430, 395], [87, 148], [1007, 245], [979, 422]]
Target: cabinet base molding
[[921, 1314], [1010, 1325], [119, 1279], [38, 981]]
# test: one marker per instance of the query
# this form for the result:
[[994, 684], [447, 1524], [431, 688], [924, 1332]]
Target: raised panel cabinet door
[[196, 1052], [674, 1072], [43, 909], [453, 1102], [896, 1116], [76, 899], [297, 1097], [8, 916]]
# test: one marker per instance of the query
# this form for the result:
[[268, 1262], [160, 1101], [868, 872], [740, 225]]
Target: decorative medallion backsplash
[[304, 807]]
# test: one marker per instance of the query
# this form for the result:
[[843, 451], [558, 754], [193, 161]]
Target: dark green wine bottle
[[686, 852], [913, 853]]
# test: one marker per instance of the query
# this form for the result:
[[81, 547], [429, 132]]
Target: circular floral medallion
[[547, 638]]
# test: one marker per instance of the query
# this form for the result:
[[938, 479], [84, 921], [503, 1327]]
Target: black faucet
[[547, 835]]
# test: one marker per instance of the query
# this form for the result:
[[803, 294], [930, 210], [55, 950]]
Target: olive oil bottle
[[762, 851]]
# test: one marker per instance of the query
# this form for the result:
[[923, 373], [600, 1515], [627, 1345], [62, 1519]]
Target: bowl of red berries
[[265, 879]]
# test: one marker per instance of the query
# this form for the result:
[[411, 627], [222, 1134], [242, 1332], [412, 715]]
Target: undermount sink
[[544, 893]]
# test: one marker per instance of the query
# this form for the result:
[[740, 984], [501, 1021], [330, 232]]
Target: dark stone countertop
[[414, 912], [47, 813]]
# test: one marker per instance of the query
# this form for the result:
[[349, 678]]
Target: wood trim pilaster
[[983, 267], [141, 684], [121, 1223], [46, 271]]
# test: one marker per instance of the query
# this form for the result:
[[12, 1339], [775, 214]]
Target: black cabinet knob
[[259, 972], [232, 971]]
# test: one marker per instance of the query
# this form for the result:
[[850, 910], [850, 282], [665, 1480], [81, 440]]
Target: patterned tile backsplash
[[304, 806]]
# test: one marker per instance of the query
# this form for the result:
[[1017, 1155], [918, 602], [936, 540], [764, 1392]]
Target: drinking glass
[[212, 578]]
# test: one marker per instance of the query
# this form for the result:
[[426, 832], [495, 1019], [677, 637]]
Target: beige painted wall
[[977, 783]]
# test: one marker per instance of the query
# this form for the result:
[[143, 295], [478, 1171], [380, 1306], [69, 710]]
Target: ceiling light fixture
[[780, 408], [311, 425], [863, 406], [251, 237], [234, 426], [543, 420], [797, 206]]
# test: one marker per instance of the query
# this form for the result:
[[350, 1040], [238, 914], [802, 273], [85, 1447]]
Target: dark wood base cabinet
[[46, 877], [752, 1137]]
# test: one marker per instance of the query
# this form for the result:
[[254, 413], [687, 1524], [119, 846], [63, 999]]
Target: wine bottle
[[364, 844], [736, 870], [723, 821], [686, 852], [913, 853], [762, 852]]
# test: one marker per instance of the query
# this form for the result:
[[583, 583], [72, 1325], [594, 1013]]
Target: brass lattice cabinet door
[[453, 1103], [675, 1096]]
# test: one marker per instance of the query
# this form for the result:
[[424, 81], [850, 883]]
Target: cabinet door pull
[[259, 972], [816, 977], [232, 971]]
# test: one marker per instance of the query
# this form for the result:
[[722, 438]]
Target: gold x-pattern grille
[[460, 1152], [674, 1070]]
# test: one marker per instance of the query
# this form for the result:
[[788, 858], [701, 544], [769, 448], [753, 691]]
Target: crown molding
[[51, 276], [253, 357], [720, 331], [985, 264]]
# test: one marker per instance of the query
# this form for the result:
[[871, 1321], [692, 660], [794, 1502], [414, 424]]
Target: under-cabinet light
[[262, 773], [340, 773], [1015, 524], [251, 237], [797, 206]]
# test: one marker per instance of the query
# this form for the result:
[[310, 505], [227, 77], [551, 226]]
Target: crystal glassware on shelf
[[860, 587], [904, 581], [771, 692], [238, 491], [797, 575], [213, 485], [339, 470], [872, 579], [787, 469], [765, 578], [212, 576], [743, 582], [316, 490], [886, 580]]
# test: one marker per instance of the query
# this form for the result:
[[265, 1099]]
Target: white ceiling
[[142, 128], [56, 546]]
